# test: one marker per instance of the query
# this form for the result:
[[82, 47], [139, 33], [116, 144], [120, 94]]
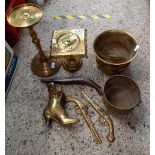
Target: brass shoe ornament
[[55, 110]]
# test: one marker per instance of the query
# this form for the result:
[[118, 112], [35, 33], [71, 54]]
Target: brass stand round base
[[72, 64], [44, 68]]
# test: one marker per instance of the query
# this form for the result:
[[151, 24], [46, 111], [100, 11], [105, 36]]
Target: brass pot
[[121, 94], [114, 50]]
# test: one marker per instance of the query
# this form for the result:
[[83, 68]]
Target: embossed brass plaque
[[69, 43]]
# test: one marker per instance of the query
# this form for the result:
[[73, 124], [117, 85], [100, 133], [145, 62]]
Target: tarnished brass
[[45, 68], [114, 50], [121, 94], [72, 64], [55, 109], [104, 115], [41, 65], [86, 117], [27, 15], [70, 45]]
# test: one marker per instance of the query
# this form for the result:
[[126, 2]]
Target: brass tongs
[[104, 115]]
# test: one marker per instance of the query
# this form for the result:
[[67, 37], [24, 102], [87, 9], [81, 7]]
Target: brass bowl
[[114, 50], [121, 94]]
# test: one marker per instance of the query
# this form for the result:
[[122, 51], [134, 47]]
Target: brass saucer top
[[25, 15]]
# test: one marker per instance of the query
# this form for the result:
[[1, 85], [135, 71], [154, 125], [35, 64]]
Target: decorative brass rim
[[110, 63]]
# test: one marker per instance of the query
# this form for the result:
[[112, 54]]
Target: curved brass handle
[[104, 115], [110, 137]]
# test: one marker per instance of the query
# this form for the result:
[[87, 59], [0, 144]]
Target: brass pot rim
[[118, 108], [120, 31], [21, 5]]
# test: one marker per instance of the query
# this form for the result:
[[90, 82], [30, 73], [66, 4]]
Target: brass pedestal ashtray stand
[[71, 46], [25, 16]]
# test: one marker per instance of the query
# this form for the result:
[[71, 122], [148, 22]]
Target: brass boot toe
[[70, 121]]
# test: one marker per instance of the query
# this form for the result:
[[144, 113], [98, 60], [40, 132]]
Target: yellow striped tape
[[71, 17]]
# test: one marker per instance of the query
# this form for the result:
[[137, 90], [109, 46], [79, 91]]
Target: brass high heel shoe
[[55, 108]]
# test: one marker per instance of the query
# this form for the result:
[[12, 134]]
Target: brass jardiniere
[[114, 50]]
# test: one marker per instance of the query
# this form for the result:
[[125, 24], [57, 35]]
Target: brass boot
[[55, 108]]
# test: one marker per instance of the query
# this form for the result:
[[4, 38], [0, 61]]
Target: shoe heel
[[48, 121]]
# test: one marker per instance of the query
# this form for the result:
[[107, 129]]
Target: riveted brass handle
[[104, 115]]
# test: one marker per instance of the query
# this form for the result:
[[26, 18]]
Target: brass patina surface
[[114, 50], [46, 67], [121, 94], [55, 108], [25, 15], [104, 116], [41, 66], [70, 45], [72, 64]]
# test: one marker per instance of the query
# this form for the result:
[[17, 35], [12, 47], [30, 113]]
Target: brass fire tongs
[[104, 115]]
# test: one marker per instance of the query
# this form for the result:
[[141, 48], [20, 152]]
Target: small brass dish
[[121, 94], [114, 50]]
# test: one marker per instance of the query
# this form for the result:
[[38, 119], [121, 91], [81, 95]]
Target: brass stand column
[[40, 65]]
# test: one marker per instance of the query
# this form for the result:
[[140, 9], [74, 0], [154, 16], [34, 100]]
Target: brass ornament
[[55, 108], [115, 50], [71, 46], [27, 15]]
